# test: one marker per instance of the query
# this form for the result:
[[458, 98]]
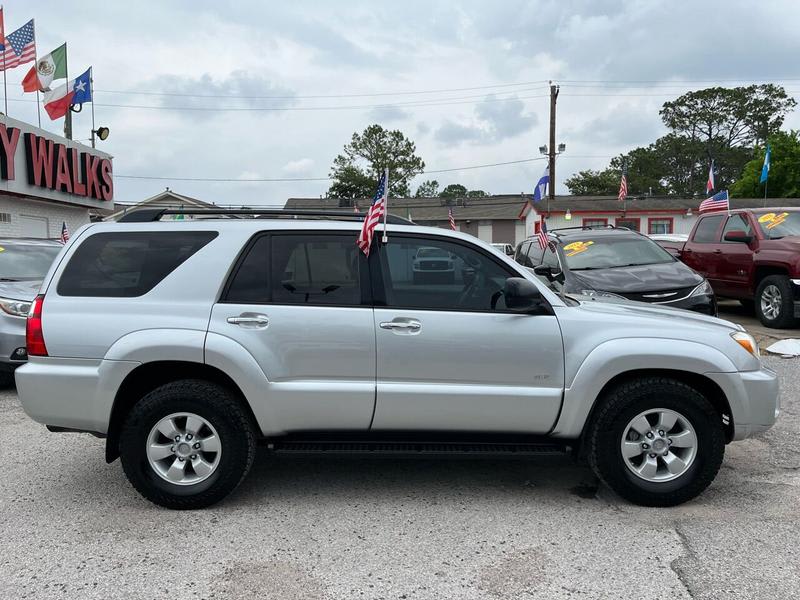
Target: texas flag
[[77, 91]]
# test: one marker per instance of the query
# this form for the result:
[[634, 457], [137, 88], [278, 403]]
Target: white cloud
[[301, 166]]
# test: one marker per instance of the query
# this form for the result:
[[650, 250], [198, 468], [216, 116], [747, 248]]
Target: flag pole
[[68, 116], [386, 208], [91, 95], [5, 87], [35, 66]]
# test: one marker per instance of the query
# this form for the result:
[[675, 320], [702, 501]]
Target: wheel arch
[[147, 377], [702, 384], [763, 271]]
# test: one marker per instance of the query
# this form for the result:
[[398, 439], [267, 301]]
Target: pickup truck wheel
[[774, 302], [656, 442], [187, 444]]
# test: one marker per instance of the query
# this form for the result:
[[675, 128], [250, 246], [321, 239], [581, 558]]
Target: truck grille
[[433, 264]]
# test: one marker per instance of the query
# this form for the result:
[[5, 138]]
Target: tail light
[[34, 338]]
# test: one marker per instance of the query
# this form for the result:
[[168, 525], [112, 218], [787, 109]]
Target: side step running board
[[412, 448]]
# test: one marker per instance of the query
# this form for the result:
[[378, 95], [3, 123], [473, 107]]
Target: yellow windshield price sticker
[[577, 247], [2, 249], [772, 220]]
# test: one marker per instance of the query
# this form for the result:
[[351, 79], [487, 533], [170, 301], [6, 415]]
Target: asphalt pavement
[[349, 527], [732, 310]]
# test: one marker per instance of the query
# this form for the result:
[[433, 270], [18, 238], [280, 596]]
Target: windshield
[[431, 253], [609, 252], [775, 225], [26, 261]]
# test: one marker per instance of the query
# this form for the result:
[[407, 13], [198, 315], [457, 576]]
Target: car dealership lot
[[352, 527]]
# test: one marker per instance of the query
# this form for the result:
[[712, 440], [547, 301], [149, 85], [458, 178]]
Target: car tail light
[[34, 338]]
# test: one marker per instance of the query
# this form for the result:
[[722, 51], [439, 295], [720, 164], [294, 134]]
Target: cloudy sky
[[257, 90]]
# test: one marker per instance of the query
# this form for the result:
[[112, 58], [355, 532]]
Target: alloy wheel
[[183, 448], [659, 445], [771, 301]]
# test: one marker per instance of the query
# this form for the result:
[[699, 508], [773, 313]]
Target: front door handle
[[253, 320], [402, 325]]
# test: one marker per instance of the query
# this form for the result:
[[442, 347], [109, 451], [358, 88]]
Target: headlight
[[600, 294], [18, 308], [746, 341], [704, 289]]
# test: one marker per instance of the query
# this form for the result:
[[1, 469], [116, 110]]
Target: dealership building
[[47, 180]]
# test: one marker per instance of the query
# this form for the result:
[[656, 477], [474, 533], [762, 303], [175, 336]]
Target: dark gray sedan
[[23, 265]]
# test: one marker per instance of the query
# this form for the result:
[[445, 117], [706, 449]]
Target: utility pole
[[552, 145]]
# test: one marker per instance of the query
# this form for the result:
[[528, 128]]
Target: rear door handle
[[402, 325], [252, 320]]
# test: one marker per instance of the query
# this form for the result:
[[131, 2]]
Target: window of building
[[126, 265], [659, 226], [629, 223], [594, 222], [441, 275], [5, 217], [706, 230]]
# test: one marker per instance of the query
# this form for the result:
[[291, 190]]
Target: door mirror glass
[[521, 295], [738, 236]]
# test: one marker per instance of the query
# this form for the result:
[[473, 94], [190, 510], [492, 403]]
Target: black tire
[[214, 403], [622, 404], [785, 317]]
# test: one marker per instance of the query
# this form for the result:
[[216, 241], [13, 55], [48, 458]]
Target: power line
[[296, 179], [420, 103]]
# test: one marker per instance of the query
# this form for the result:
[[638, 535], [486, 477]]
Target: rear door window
[[706, 232], [299, 269], [128, 264]]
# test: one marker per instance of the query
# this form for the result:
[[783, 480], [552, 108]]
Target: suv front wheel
[[656, 441], [187, 444]]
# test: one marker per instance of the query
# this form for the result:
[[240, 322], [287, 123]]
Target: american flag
[[451, 219], [64, 233], [623, 185], [718, 201], [374, 214], [19, 47], [544, 241]]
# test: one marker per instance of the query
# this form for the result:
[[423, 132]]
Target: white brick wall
[[56, 214]]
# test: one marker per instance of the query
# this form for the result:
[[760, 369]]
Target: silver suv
[[186, 343]]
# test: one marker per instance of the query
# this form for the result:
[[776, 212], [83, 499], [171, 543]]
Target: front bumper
[[12, 342], [796, 296], [705, 303], [753, 398]]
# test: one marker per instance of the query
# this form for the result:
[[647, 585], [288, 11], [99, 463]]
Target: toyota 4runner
[[185, 343]]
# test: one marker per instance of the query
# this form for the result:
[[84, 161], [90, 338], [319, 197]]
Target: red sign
[[57, 167]]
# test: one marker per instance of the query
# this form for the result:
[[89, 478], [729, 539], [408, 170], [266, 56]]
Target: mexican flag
[[50, 67]]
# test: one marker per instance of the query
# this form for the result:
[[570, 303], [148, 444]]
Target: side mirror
[[510, 250], [521, 295], [738, 236], [548, 272]]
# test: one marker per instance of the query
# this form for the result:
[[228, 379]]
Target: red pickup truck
[[752, 255]]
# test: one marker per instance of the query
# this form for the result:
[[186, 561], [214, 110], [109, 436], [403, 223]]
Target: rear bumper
[[71, 393], [753, 398]]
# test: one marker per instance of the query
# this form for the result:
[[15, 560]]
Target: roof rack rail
[[150, 215], [586, 228]]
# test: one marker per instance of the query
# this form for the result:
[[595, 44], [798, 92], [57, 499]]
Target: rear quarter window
[[128, 264]]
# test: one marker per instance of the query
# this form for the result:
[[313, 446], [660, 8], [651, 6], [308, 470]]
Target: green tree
[[428, 189], [594, 183], [476, 194], [716, 122], [784, 171], [454, 190], [355, 172]]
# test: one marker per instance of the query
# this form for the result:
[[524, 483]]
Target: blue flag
[[765, 168], [541, 186]]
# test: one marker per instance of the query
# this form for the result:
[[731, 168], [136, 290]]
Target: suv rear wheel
[[187, 444], [774, 302], [656, 442]]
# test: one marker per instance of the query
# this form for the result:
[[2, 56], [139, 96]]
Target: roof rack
[[149, 215], [556, 233]]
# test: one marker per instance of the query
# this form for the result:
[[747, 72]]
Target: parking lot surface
[[731, 310], [346, 527]]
